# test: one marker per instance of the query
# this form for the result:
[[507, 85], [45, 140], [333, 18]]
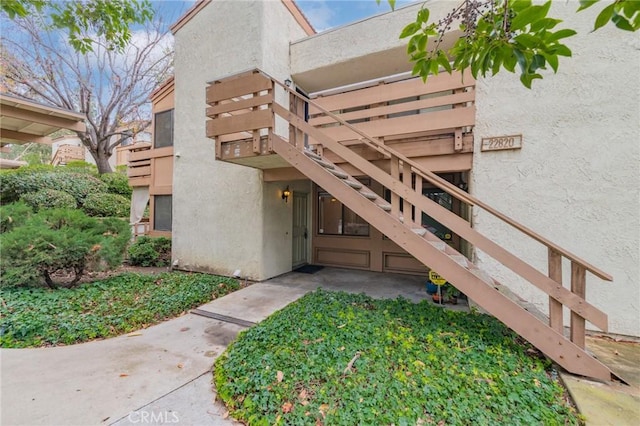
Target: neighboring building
[[151, 169], [562, 159], [69, 147], [25, 121]]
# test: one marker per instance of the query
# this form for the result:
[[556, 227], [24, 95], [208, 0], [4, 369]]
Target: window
[[162, 212], [163, 129], [445, 200], [336, 219]]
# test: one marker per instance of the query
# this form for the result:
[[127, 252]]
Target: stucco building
[[514, 187]]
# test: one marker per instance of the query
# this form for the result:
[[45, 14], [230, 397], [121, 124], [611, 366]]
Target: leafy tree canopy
[[503, 34], [85, 19]]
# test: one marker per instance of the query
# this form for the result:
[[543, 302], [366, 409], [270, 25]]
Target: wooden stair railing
[[405, 182]]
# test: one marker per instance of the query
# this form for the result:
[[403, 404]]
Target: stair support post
[[553, 344], [555, 308], [407, 210], [395, 199], [579, 287]]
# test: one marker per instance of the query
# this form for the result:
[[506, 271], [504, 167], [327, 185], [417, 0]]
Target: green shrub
[[17, 183], [80, 166], [49, 199], [14, 214], [65, 241], [106, 205], [117, 183], [147, 251]]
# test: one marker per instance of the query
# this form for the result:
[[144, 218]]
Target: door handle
[[305, 234]]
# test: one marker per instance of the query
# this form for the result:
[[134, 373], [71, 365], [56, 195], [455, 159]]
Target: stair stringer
[[455, 223], [551, 343]]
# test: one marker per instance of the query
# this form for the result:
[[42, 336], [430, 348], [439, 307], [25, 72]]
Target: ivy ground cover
[[342, 359], [31, 317]]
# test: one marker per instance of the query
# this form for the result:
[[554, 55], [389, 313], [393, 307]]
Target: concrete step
[[385, 207]]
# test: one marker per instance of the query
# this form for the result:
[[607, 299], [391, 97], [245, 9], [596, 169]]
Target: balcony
[[419, 120]]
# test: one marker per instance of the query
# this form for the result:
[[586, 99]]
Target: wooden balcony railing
[[440, 114], [139, 170]]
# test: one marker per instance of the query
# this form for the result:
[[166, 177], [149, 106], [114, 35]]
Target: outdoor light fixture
[[288, 82], [286, 193]]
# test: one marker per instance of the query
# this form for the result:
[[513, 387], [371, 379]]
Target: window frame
[[155, 128]]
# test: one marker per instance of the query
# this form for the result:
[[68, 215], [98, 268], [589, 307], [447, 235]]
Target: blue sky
[[323, 14]]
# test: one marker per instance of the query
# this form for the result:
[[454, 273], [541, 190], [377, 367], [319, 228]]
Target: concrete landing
[[609, 403]]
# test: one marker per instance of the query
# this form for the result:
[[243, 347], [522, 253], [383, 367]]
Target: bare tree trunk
[[102, 161], [48, 280]]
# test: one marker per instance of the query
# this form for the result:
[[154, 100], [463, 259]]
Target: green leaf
[[545, 24], [527, 40], [584, 4], [622, 23], [562, 50], [519, 5], [410, 29], [560, 34], [443, 60], [510, 59], [604, 16], [537, 62], [553, 61], [422, 42], [522, 60], [529, 16], [423, 15]]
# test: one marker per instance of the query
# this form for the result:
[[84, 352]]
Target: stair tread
[[324, 163], [419, 231], [440, 245], [460, 259], [385, 207], [369, 195], [312, 155], [338, 173], [354, 184]]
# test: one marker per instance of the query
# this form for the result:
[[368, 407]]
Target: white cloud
[[319, 14]]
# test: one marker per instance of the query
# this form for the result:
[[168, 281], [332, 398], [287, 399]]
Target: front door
[[300, 232]]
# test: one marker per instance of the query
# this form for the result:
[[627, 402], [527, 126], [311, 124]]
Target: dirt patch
[[65, 277]]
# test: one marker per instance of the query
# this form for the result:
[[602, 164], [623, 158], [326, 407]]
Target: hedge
[[49, 199]]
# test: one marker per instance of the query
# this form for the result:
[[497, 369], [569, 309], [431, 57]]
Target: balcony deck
[[432, 123]]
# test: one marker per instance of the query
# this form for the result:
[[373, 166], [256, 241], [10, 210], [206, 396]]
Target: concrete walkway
[[162, 375]]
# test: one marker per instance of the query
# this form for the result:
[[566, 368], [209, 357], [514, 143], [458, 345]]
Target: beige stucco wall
[[577, 178], [360, 51], [224, 217]]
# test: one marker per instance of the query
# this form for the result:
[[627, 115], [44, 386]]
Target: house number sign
[[501, 142]]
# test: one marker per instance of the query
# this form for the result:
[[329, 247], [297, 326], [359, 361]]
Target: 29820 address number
[[502, 142]]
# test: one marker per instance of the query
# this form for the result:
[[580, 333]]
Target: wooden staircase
[[231, 114]]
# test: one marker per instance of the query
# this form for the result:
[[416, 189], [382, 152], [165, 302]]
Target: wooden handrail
[[577, 304], [448, 187]]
